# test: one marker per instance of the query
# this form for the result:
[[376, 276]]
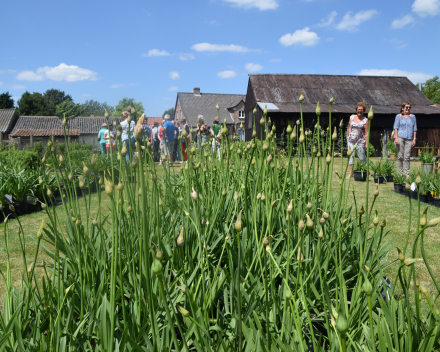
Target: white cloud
[[172, 89], [259, 4], [402, 22], [351, 22], [426, 7], [7, 71], [186, 56], [300, 37], [253, 67], [275, 60], [415, 77], [227, 74], [328, 20], [156, 53], [18, 86], [174, 75], [220, 47], [62, 72], [118, 85]]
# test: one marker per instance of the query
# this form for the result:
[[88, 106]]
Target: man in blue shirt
[[169, 139], [101, 138]]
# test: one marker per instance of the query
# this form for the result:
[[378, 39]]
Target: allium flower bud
[[321, 233], [321, 220], [224, 192], [263, 197], [328, 159], [309, 222], [361, 211], [418, 180], [85, 169], [423, 290], [274, 203], [301, 98], [124, 149], [61, 158], [299, 256], [314, 149], [268, 249], [332, 100], [64, 123], [341, 324], [341, 124], [309, 205], [302, 137], [194, 195], [410, 261], [423, 218], [94, 222], [434, 222], [259, 196], [376, 192], [40, 181], [370, 113], [81, 184], [159, 254], [156, 267], [40, 230], [290, 206], [376, 219], [43, 206], [43, 160], [400, 255], [368, 288], [108, 187], [318, 110], [49, 192], [407, 186], [335, 134], [289, 128], [288, 294], [301, 225], [238, 222], [254, 133], [183, 311], [383, 223], [325, 215]]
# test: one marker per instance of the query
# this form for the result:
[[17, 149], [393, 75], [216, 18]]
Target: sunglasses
[[407, 107]]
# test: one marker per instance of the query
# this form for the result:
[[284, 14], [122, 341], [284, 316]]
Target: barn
[[280, 93]]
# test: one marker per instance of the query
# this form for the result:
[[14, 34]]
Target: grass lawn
[[391, 206]]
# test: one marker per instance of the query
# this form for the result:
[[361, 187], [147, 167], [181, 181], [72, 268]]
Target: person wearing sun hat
[[101, 139]]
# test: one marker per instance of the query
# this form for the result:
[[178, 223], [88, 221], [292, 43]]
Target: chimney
[[196, 91]]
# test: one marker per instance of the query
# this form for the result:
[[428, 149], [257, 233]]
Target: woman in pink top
[[357, 133]]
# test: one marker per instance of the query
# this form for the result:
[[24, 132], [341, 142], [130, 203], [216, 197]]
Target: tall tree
[[55, 97], [431, 89], [96, 108], [69, 109], [125, 103], [169, 112], [6, 101], [32, 104]]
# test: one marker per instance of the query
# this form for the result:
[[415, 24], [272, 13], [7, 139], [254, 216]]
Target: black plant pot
[[360, 175], [390, 178], [378, 178], [437, 202], [413, 194], [424, 198], [398, 187]]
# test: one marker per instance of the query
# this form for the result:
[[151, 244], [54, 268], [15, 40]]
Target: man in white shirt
[[127, 135]]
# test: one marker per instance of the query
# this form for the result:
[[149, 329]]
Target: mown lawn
[[391, 206]]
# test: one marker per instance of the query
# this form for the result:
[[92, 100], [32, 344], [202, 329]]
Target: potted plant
[[377, 169], [436, 191], [427, 159], [391, 148], [425, 190], [360, 170], [399, 185], [388, 169]]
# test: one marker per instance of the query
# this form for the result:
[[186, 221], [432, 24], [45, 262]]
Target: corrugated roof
[[205, 104], [283, 90], [6, 119], [86, 125]]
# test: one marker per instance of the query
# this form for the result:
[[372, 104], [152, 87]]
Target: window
[[241, 114]]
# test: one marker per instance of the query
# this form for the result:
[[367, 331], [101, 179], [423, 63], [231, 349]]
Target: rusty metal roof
[[6, 119], [283, 90], [152, 120], [51, 124]]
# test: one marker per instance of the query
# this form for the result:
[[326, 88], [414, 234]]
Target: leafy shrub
[[371, 151], [25, 158]]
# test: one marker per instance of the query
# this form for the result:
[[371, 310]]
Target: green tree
[[6, 101], [96, 108], [32, 104], [125, 103], [169, 112], [55, 97], [431, 89], [69, 109]]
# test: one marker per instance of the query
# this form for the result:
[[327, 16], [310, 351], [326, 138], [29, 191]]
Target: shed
[[280, 92], [41, 128]]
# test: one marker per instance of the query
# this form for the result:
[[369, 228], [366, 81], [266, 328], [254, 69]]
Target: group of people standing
[[404, 135]]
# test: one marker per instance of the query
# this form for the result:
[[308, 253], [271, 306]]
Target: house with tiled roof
[[190, 105], [7, 120], [41, 128]]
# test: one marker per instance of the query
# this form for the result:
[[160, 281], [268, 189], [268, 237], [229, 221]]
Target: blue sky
[[149, 50]]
